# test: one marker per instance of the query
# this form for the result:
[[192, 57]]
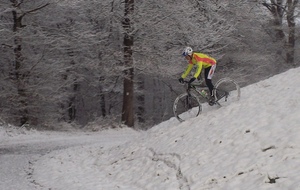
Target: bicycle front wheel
[[226, 91], [186, 106]]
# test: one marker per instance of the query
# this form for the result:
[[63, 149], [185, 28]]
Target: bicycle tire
[[226, 91], [186, 106]]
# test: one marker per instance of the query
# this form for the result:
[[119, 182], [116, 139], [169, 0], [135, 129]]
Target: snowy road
[[18, 154], [16, 159]]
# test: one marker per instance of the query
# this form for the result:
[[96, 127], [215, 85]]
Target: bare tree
[[279, 9], [18, 76], [127, 110], [41, 76], [290, 17]]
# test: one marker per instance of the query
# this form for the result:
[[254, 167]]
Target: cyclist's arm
[[187, 71], [198, 71]]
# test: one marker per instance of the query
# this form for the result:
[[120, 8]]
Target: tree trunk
[[102, 98], [127, 109], [72, 103], [291, 24], [141, 100], [277, 9], [18, 77]]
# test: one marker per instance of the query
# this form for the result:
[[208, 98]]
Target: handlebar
[[187, 85], [194, 84]]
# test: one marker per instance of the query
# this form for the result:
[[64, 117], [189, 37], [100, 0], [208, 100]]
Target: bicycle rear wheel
[[226, 91], [186, 106]]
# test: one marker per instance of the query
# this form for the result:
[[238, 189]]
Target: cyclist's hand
[[181, 80], [192, 80]]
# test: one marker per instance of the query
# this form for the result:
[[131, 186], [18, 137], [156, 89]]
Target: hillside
[[250, 144]]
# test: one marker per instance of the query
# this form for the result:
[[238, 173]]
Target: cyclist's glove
[[181, 80], [192, 80]]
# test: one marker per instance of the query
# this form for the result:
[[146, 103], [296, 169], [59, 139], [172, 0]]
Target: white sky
[[237, 147]]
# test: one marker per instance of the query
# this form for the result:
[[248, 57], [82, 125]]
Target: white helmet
[[187, 51]]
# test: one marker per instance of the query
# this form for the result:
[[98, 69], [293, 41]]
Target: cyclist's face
[[188, 57]]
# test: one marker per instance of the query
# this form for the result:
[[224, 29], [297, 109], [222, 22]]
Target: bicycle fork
[[188, 101]]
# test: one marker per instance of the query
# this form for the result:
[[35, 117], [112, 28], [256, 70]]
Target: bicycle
[[189, 104]]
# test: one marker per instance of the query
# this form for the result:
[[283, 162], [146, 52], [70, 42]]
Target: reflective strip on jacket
[[202, 61]]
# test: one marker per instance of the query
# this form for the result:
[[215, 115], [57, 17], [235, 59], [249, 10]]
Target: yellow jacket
[[202, 61]]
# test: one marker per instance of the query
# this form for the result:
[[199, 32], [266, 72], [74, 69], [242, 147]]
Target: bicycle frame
[[198, 88]]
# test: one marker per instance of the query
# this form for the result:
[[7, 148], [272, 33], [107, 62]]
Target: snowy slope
[[250, 144]]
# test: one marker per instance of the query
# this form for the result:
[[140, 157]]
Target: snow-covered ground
[[251, 144]]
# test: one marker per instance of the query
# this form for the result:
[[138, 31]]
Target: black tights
[[208, 82]]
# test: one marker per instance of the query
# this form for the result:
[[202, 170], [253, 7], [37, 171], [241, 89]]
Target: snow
[[249, 144]]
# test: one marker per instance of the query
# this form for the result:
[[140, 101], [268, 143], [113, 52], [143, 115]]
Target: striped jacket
[[202, 61]]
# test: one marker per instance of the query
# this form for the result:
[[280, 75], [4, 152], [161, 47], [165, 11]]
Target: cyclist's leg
[[208, 76], [208, 73]]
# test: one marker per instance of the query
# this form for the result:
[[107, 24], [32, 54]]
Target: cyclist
[[202, 61]]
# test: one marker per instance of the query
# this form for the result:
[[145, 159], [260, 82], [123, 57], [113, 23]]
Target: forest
[[117, 62]]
